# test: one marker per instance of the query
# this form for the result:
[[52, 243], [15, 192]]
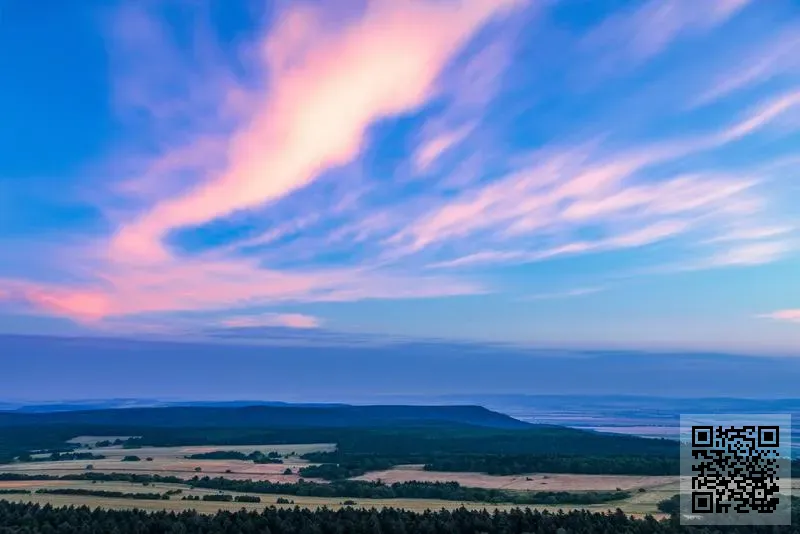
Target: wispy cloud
[[763, 62], [792, 316], [570, 293], [435, 147], [648, 28], [289, 320], [574, 188]]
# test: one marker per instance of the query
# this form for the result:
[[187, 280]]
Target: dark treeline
[[247, 498], [429, 439], [61, 457], [338, 465], [220, 497], [255, 456], [33, 518], [14, 492], [501, 464], [448, 491], [106, 494]]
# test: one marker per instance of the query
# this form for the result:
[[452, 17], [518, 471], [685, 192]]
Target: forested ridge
[[37, 519], [289, 416]]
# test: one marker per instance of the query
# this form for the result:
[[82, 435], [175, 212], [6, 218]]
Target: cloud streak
[[571, 293], [792, 316], [288, 320]]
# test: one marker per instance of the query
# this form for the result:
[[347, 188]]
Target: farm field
[[239, 470], [535, 482], [168, 461], [638, 505], [180, 452]]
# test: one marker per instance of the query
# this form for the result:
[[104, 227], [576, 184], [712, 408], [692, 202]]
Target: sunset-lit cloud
[[570, 293], [336, 154], [792, 316], [289, 320]]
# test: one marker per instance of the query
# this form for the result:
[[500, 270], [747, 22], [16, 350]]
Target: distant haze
[[51, 368]]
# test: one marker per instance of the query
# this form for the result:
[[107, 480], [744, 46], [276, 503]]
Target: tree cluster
[[106, 494], [339, 465], [61, 457], [255, 456]]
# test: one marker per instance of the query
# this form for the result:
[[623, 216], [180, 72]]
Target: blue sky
[[560, 173]]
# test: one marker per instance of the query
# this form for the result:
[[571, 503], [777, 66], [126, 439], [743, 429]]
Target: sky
[[548, 172]]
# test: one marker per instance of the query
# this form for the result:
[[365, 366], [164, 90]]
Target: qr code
[[737, 469]]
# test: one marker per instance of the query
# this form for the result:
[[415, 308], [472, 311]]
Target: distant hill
[[110, 404], [36, 367], [280, 416]]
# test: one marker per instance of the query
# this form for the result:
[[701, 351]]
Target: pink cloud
[[432, 149], [327, 87], [760, 64], [327, 83], [792, 316], [288, 320], [211, 285], [85, 305]]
